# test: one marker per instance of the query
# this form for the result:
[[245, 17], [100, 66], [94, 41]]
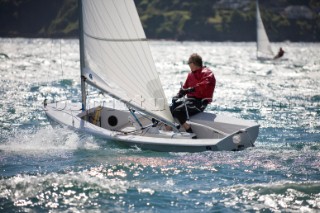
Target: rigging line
[[50, 66], [115, 53], [48, 70], [135, 117], [61, 58]]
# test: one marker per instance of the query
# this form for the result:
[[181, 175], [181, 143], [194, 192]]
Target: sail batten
[[116, 50], [115, 40]]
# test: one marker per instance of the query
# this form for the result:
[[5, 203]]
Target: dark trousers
[[194, 106]]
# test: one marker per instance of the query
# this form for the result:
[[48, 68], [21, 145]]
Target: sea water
[[54, 169]]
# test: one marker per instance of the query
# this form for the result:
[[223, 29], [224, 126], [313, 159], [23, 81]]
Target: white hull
[[214, 132]]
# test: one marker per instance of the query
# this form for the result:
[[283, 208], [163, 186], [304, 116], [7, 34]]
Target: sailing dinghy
[[116, 59], [264, 50]]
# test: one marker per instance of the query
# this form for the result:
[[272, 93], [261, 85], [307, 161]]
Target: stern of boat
[[239, 140]]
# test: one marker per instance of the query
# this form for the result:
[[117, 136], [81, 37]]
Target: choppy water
[[55, 169]]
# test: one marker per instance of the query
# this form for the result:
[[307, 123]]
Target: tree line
[[208, 20]]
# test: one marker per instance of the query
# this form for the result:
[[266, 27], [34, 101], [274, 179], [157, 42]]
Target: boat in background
[[264, 50], [116, 59]]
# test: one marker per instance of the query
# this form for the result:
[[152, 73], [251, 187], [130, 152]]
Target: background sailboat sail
[[263, 43], [117, 54]]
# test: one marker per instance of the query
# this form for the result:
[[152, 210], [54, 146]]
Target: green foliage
[[167, 19], [173, 22], [66, 21]]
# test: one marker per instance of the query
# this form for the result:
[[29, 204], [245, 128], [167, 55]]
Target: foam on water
[[47, 141]]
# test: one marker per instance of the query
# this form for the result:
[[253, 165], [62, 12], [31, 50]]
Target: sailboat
[[264, 50], [115, 58]]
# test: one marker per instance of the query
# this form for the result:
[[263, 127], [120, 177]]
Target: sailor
[[198, 87], [280, 53]]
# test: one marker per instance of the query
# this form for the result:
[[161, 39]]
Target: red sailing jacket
[[203, 82]]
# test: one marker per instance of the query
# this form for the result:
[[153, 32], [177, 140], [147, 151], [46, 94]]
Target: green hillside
[[211, 20]]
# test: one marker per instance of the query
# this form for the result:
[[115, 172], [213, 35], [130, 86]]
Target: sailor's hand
[[186, 91], [183, 92], [189, 90], [175, 98], [205, 102]]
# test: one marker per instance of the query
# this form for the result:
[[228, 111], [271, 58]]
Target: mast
[[82, 63]]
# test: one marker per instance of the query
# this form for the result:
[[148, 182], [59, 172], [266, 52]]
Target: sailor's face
[[192, 66]]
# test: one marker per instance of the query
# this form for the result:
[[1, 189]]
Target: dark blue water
[[45, 168]]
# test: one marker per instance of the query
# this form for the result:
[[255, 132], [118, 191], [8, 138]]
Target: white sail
[[263, 43], [116, 50]]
